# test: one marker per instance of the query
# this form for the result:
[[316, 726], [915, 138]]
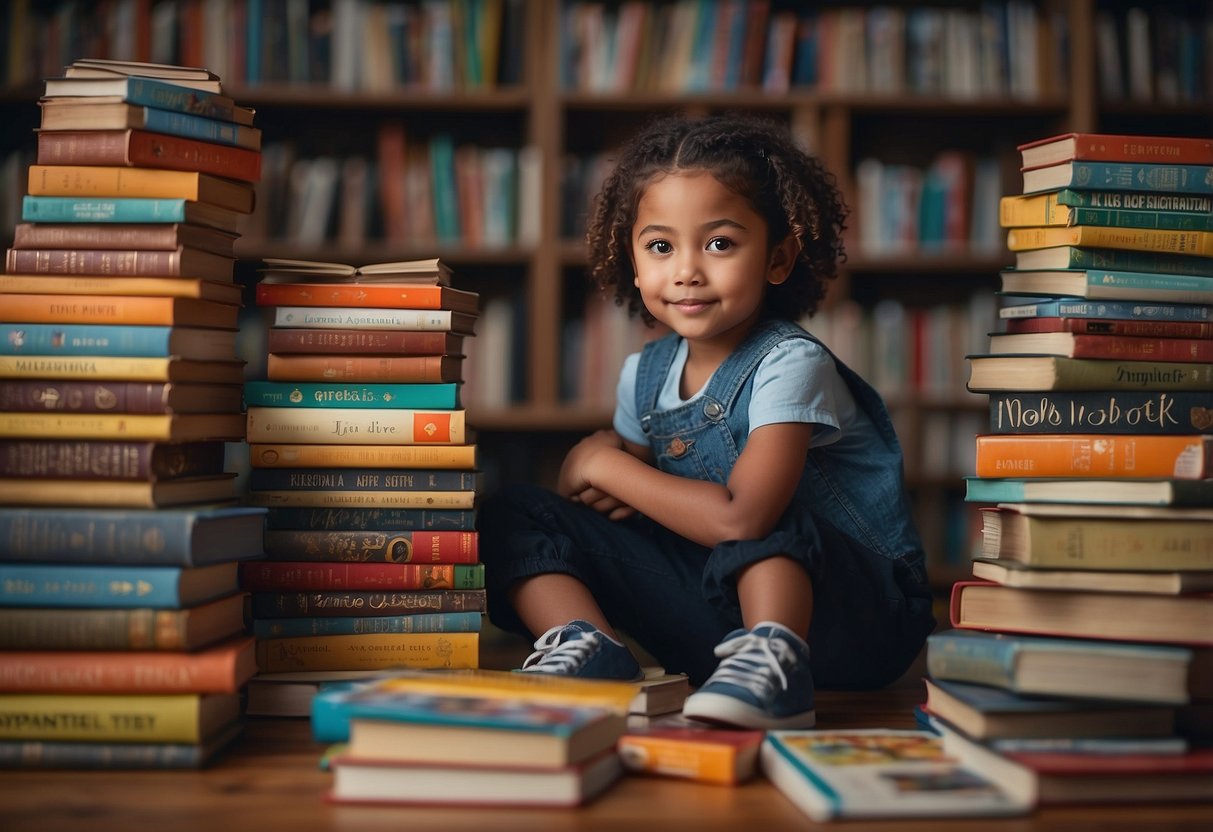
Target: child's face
[[701, 258]]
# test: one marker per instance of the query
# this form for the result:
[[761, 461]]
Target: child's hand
[[574, 480]]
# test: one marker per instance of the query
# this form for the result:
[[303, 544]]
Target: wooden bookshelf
[[540, 102]]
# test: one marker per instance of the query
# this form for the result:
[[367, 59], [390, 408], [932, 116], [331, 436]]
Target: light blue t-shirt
[[797, 381]]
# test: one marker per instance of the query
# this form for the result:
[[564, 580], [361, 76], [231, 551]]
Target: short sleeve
[[626, 421], [798, 381]]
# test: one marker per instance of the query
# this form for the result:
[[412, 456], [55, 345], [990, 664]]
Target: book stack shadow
[[122, 635], [1080, 663], [361, 453]]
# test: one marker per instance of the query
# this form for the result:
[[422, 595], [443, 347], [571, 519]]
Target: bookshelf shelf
[[324, 97]]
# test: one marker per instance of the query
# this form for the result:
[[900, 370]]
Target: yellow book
[[162, 427], [183, 718], [356, 426], [163, 287], [365, 499], [89, 180], [118, 493], [120, 368], [370, 651], [362, 456], [1136, 239], [1032, 210]]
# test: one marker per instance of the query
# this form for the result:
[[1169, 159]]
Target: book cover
[[1105, 310], [1093, 412], [1108, 147], [387, 546], [73, 396], [1104, 284], [1199, 243], [1127, 347], [121, 368], [998, 373], [1012, 573], [88, 755], [83, 114], [277, 576], [439, 622], [78, 585], [155, 427], [410, 369], [344, 317], [1120, 176], [163, 236], [374, 295], [1124, 491], [365, 602], [364, 341], [680, 748], [1179, 619], [89, 309], [83, 459], [98, 181], [147, 149], [1139, 328], [152, 92], [370, 519], [425, 272], [263, 455], [97, 717], [220, 488], [222, 668], [191, 536], [65, 209], [1074, 257], [1079, 668], [1092, 536], [1048, 209], [398, 396], [105, 339], [362, 479], [1094, 455], [879, 773], [180, 262], [366, 499], [376, 651], [369, 426], [117, 628], [105, 286]]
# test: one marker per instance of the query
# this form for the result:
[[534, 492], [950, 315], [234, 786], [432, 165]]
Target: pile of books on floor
[[121, 625], [1082, 662], [360, 451]]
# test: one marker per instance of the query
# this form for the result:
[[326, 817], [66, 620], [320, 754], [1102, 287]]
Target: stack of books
[[360, 451], [121, 626], [1083, 657], [478, 737]]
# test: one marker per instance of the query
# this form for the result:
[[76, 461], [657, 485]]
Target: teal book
[[443, 187], [1120, 491], [166, 536], [1106, 284], [1125, 218], [1120, 176], [1129, 260], [1061, 667], [1110, 310], [356, 519], [153, 92], [76, 585], [1136, 201], [305, 394], [59, 209], [102, 339], [438, 622]]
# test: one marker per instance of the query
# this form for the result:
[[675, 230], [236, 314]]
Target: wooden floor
[[269, 781]]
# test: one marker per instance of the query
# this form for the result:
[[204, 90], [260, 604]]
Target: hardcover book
[[363, 341], [85, 114], [369, 519], [998, 373], [365, 602], [180, 262], [1127, 310], [76, 585], [879, 773], [373, 295], [185, 76], [1050, 209], [99, 181], [1199, 243], [120, 368], [162, 236], [218, 488], [154, 756], [151, 92], [683, 749], [105, 286], [1124, 412], [148, 148], [96, 717], [90, 309], [369, 426], [1104, 284], [426, 272], [1011, 573], [410, 369], [104, 339], [1061, 667], [1129, 260], [1140, 492], [78, 396], [1140, 328], [65, 209], [370, 651], [1094, 455], [82, 459], [387, 546], [276, 576], [344, 317], [1109, 147], [271, 455], [465, 500], [360, 396], [1116, 347], [1120, 176], [439, 622], [154, 427], [362, 479]]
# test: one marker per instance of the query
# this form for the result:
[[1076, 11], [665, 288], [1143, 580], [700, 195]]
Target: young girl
[[745, 521]]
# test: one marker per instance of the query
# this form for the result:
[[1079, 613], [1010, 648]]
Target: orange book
[[1105, 147], [121, 309], [144, 148], [108, 285], [363, 295], [364, 368], [679, 749], [223, 668], [1185, 457], [90, 180]]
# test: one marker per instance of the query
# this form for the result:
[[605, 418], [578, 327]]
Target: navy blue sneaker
[[763, 681], [581, 649]]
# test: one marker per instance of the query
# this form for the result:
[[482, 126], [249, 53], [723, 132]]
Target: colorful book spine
[[1098, 412], [1100, 345], [361, 427], [1136, 201], [148, 149], [373, 546], [188, 126], [152, 427], [379, 651], [1110, 309], [181, 262], [442, 622], [101, 181], [1199, 243], [361, 479], [411, 369], [364, 603], [354, 456], [84, 459], [1049, 210], [106, 286], [77, 756], [278, 576], [1074, 257], [123, 310], [344, 317], [1139, 176], [39, 395], [1130, 286], [105, 717], [1092, 374], [367, 341], [1094, 455], [53, 209], [75, 585], [370, 519], [99, 339], [361, 396], [1113, 327], [365, 499], [365, 295], [164, 95]]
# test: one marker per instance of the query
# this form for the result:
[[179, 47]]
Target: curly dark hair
[[756, 158]]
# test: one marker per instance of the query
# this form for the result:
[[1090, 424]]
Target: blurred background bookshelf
[[477, 131]]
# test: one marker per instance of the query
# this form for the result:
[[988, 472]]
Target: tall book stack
[[1081, 661], [122, 632], [360, 450]]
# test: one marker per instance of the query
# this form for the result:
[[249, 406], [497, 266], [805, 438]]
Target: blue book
[[57, 116], [1120, 176], [54, 209], [1121, 491], [1105, 284], [102, 339], [176, 536], [153, 92], [306, 394], [1111, 310], [361, 479], [404, 519], [155, 587], [438, 622]]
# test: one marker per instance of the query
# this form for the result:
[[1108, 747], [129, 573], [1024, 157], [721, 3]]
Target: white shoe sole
[[725, 710]]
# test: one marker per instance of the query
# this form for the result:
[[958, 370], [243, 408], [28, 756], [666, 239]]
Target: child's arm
[[747, 507]]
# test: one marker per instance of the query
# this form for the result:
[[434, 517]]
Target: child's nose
[[688, 273]]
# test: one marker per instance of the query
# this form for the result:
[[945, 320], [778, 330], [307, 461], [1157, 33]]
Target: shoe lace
[[561, 650], [753, 662]]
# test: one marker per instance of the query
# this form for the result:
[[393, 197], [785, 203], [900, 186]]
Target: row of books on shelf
[[347, 44], [1152, 54]]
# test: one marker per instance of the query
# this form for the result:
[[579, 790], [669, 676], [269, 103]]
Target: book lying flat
[[428, 272]]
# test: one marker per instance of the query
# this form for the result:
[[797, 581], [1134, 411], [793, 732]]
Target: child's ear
[[782, 259]]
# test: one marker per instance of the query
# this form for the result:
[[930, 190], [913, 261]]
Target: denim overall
[[849, 525]]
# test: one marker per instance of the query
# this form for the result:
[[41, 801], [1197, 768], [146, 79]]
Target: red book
[[141, 148], [363, 295], [366, 341], [358, 546], [1102, 147], [365, 369], [1118, 347], [1100, 326], [282, 576], [1089, 778]]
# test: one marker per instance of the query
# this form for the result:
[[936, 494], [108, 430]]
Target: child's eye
[[720, 244], [659, 246]]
